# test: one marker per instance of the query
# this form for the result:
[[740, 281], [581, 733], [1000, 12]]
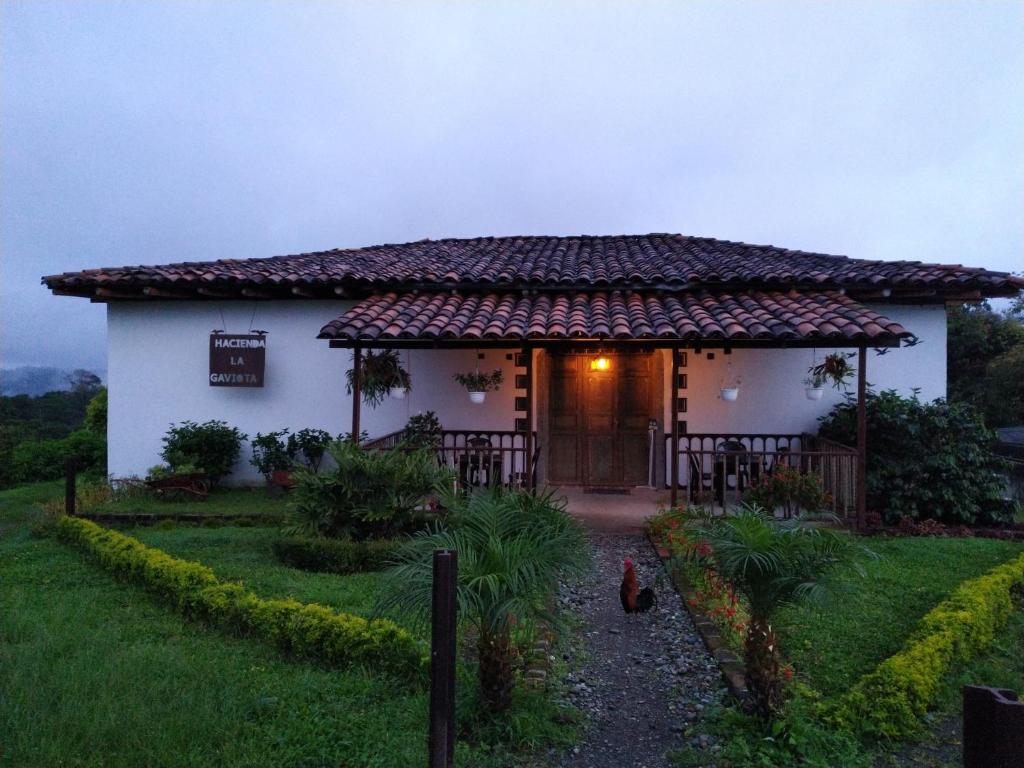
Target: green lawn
[[97, 673], [833, 644], [221, 501]]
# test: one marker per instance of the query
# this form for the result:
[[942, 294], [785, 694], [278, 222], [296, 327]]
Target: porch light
[[600, 364]]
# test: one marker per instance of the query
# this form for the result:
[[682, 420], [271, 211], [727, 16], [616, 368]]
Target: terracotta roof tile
[[747, 316]]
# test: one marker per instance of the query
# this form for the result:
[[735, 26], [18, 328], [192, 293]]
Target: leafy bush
[[423, 430], [790, 489], [369, 494], [925, 460], [33, 461], [333, 555], [309, 445], [271, 453], [891, 700], [306, 629], [212, 447], [96, 413]]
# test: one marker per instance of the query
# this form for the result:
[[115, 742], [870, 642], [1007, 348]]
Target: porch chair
[[732, 459]]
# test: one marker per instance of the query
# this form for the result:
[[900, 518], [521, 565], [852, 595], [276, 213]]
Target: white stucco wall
[[772, 396], [158, 357]]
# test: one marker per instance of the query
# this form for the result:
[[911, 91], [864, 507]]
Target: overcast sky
[[149, 133]]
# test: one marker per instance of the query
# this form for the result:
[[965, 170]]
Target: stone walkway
[[642, 680]]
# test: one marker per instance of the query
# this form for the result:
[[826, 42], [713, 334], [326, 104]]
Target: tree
[[771, 564], [513, 547], [96, 413], [84, 382], [977, 336]]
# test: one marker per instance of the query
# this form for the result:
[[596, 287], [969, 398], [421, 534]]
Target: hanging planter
[[730, 394], [835, 369], [813, 389], [479, 384], [730, 388], [381, 374]]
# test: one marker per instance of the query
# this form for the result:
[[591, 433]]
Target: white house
[[587, 331]]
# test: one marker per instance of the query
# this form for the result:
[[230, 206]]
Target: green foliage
[[835, 368], [213, 447], [925, 460], [980, 343], [790, 489], [309, 446], [513, 547], [369, 494], [333, 555], [96, 413], [32, 461], [423, 430], [380, 371], [271, 452], [891, 700], [475, 381], [308, 630]]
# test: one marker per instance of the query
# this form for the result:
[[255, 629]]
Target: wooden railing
[[478, 457], [717, 468]]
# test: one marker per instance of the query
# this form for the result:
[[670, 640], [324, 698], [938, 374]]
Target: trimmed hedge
[[891, 700], [306, 629], [334, 555]]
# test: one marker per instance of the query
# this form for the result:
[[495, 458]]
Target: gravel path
[[642, 680]]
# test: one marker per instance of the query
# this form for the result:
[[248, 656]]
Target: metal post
[[357, 395], [70, 470], [441, 738], [674, 442], [862, 440], [528, 463]]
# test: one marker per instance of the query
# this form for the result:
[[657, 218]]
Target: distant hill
[[33, 380]]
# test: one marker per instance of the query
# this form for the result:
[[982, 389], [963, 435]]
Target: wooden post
[[357, 394], [70, 470], [441, 737], [528, 463], [862, 440], [674, 442]]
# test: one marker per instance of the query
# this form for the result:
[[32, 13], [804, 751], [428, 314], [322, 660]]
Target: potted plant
[[309, 446], [730, 389], [813, 389], [835, 368], [381, 374], [274, 457], [479, 384]]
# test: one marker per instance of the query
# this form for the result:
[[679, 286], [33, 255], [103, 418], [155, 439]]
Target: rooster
[[634, 599]]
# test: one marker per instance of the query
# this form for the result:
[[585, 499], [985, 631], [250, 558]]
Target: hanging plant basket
[[479, 384], [835, 369], [814, 393], [730, 394], [380, 374], [399, 393]]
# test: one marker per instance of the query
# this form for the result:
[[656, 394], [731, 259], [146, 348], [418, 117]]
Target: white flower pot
[[814, 393], [398, 392], [729, 394], [477, 397]]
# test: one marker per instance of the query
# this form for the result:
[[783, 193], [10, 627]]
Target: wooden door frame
[[542, 381]]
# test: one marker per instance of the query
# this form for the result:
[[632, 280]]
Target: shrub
[[213, 447], [309, 446], [790, 489], [333, 555], [423, 430], [306, 629], [891, 700], [96, 413], [271, 453], [36, 460], [369, 494], [925, 460]]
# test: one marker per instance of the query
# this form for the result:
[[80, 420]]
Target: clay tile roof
[[585, 262], [747, 316]]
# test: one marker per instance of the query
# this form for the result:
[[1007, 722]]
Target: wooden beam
[[253, 293], [163, 293], [357, 364], [213, 293], [674, 442], [862, 439], [113, 293], [528, 464]]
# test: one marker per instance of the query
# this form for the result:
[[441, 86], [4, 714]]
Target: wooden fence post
[[70, 471], [441, 738], [993, 732]]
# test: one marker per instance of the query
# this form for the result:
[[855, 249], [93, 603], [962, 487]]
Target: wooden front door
[[598, 420]]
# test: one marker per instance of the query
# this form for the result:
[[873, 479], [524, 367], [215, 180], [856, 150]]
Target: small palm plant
[[513, 547], [773, 563]]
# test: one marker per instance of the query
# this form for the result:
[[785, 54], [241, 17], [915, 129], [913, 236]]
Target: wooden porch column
[[528, 463], [357, 395], [862, 439], [674, 442]]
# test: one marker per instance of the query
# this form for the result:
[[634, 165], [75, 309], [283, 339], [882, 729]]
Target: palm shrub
[[368, 494], [772, 563], [513, 547]]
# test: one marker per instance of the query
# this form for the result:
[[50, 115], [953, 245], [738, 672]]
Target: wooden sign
[[237, 360]]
